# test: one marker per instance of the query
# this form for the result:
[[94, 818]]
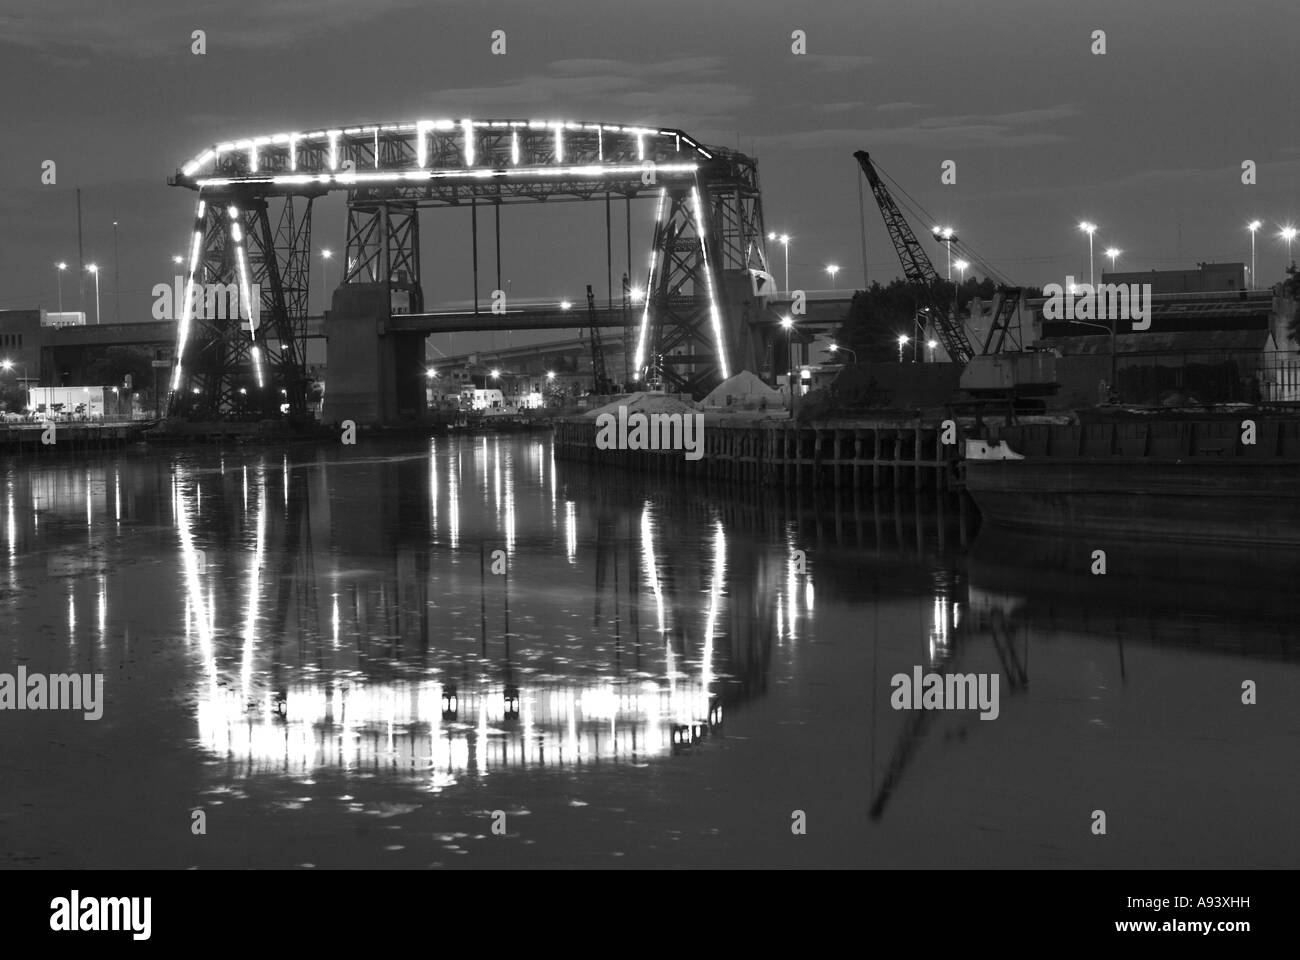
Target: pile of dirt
[[746, 391], [644, 403]]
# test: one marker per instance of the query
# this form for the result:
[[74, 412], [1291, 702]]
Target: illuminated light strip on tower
[[559, 143], [600, 145], [184, 337], [245, 292], [422, 143], [591, 170], [330, 138], [514, 148], [714, 316], [639, 359], [467, 130]]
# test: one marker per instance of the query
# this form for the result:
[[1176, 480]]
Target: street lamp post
[[784, 240], [1089, 229], [58, 272], [836, 348], [1114, 366], [1252, 227], [8, 365], [1112, 252], [903, 340], [788, 324], [1288, 234], [832, 269], [931, 344], [95, 270], [947, 237], [324, 275], [117, 279]]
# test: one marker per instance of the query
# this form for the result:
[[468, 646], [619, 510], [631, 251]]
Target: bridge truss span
[[707, 278]]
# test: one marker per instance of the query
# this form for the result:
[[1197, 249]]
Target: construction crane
[[916, 265], [600, 379], [1003, 370]]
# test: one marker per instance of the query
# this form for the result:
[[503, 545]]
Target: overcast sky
[[1147, 141]]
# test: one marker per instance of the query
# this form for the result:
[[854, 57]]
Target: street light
[[1252, 227], [832, 269], [496, 374], [903, 340], [1112, 252], [947, 237], [324, 275], [836, 348], [1288, 234], [1114, 371], [961, 266], [95, 270], [550, 374], [565, 304], [1089, 229], [784, 240], [8, 365], [59, 268], [932, 344], [788, 323], [635, 294]]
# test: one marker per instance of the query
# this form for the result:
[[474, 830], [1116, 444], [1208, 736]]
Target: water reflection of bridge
[[336, 634]]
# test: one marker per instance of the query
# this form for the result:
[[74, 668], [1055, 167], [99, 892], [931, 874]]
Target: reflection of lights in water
[[103, 608], [940, 642], [88, 512], [254, 588], [510, 512], [11, 527], [286, 479], [808, 593], [334, 618], [193, 586], [715, 600], [453, 503], [246, 488], [651, 569], [791, 588], [358, 725], [433, 486], [117, 493], [570, 531], [72, 614]]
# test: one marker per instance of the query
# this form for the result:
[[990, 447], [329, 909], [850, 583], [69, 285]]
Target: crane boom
[[916, 265]]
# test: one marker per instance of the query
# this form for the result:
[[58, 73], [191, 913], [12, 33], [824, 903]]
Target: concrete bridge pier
[[375, 376]]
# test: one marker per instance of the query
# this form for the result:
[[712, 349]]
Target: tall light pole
[[832, 269], [1288, 234], [324, 275], [961, 266], [1113, 253], [784, 240], [1089, 229], [117, 280], [93, 268], [903, 340], [788, 324], [947, 237], [1252, 227], [8, 365], [836, 348], [58, 273]]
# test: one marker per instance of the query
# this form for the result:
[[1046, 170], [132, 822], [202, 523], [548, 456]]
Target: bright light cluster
[[296, 143]]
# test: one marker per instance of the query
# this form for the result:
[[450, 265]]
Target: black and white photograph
[[670, 439]]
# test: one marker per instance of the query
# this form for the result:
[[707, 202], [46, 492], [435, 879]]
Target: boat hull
[[1192, 500]]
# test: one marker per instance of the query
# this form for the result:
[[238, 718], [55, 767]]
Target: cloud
[[901, 105], [60, 27], [951, 132], [837, 62], [688, 92]]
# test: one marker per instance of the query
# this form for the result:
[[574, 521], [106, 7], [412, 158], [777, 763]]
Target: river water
[[461, 652]]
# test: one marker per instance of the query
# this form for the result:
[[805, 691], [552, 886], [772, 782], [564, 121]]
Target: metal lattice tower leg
[[240, 348], [383, 246]]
